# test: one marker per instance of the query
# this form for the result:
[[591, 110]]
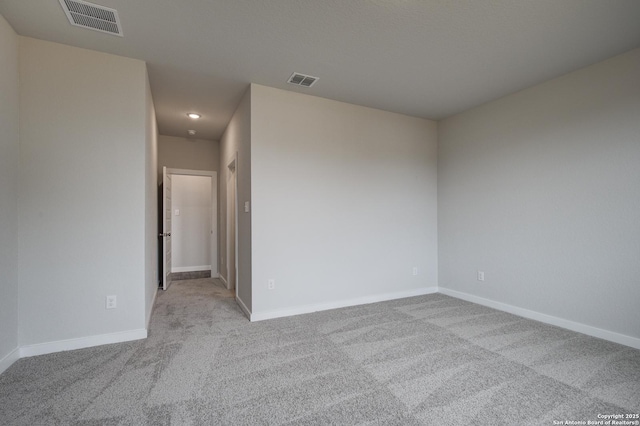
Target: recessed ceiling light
[[193, 115], [192, 132]]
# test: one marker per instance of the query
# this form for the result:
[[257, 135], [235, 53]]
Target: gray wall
[[344, 202], [541, 190], [236, 140], [9, 156], [184, 153], [83, 192]]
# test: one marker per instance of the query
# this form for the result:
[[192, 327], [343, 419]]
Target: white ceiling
[[426, 58]]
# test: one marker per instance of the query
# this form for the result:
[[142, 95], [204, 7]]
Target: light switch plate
[[112, 302]]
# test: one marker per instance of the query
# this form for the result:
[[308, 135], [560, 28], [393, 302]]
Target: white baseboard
[[259, 316], [190, 268], [153, 306], [548, 319], [9, 359], [82, 342], [224, 280], [244, 308]]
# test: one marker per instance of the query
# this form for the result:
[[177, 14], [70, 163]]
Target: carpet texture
[[428, 360]]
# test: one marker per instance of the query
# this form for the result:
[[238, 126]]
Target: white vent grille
[[92, 16], [302, 80]]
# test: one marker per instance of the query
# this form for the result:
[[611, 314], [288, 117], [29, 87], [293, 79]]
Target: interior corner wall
[[344, 203], [9, 156], [541, 191], [236, 140], [151, 203], [187, 153], [82, 196]]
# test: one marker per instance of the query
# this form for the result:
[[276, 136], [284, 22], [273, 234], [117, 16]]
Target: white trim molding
[[190, 268], [548, 319], [223, 279], [244, 308], [306, 309], [9, 359], [190, 172], [153, 307], [82, 342], [214, 215]]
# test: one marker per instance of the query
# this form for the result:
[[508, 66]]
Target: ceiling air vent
[[92, 16], [302, 80]]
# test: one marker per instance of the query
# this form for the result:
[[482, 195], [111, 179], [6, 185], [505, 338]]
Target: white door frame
[[214, 211], [232, 169]]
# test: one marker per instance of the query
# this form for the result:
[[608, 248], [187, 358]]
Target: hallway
[[127, 383]]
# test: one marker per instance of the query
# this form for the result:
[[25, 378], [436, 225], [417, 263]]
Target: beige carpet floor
[[429, 360]]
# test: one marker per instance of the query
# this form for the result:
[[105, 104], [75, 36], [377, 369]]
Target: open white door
[[166, 229]]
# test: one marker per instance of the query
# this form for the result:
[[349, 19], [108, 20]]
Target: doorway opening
[[189, 222]]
